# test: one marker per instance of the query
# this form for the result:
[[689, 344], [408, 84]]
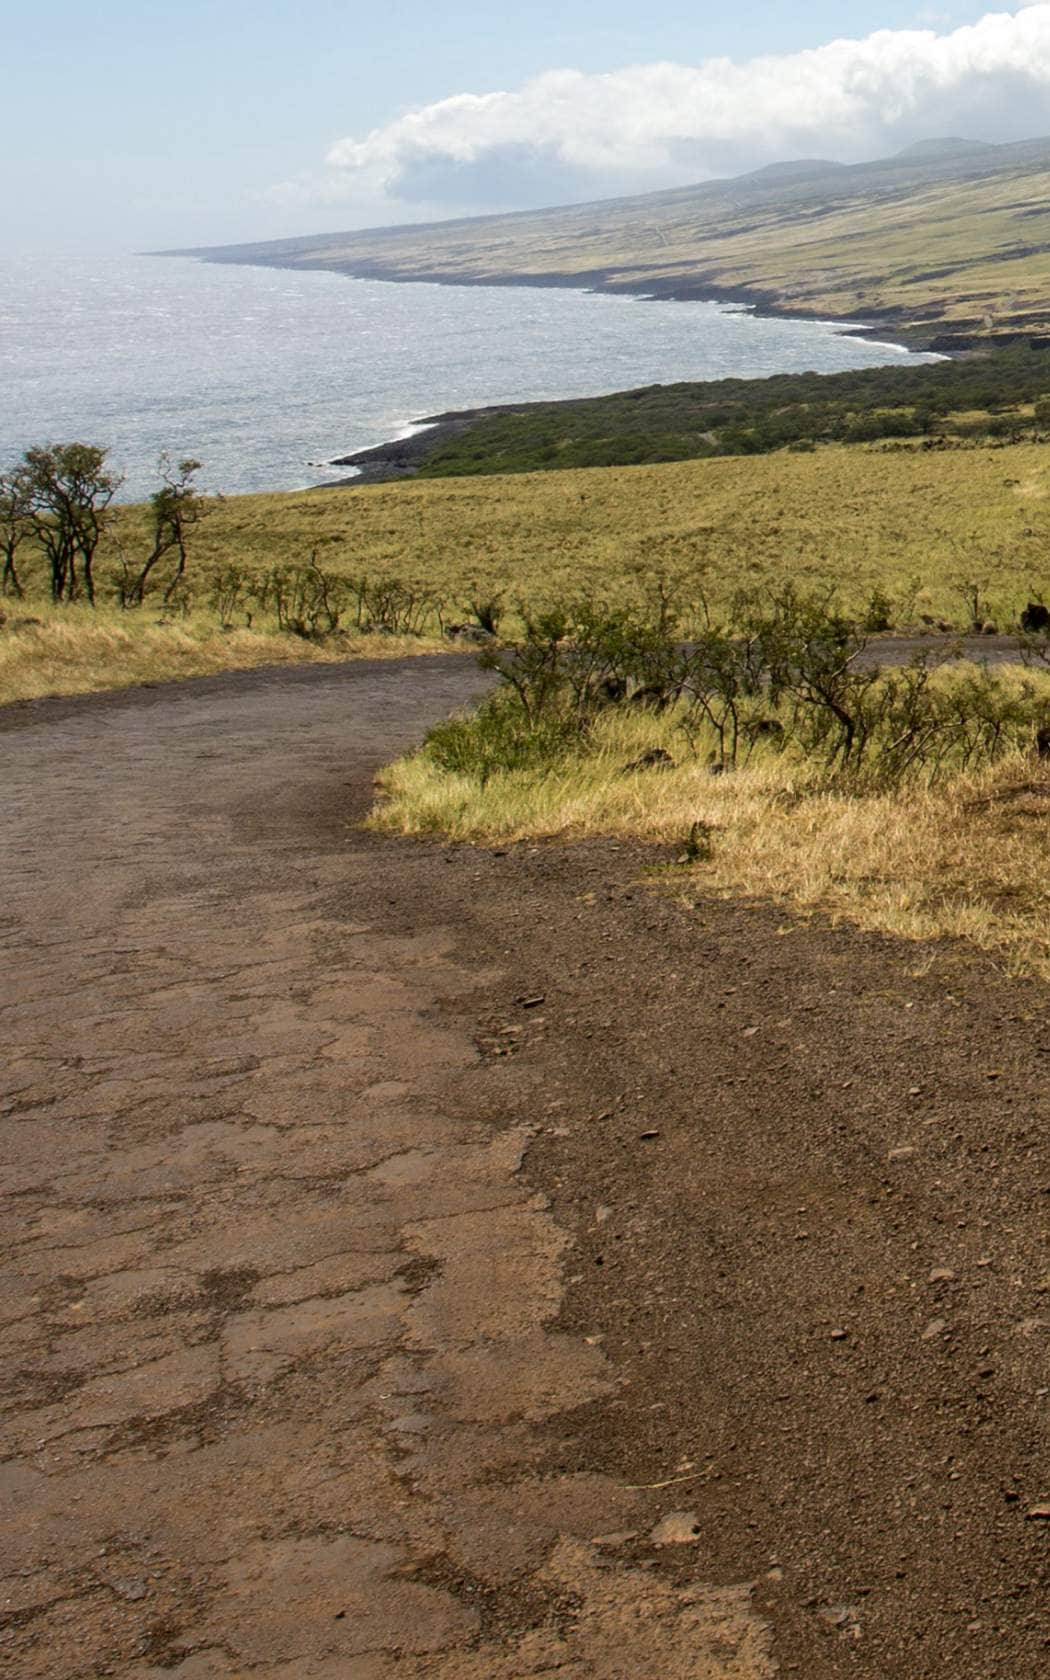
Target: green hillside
[[1000, 396]]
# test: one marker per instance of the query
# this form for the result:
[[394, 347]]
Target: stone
[[132, 1588], [842, 1616], [678, 1528]]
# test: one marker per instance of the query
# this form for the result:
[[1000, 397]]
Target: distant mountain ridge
[[949, 148], [946, 242]]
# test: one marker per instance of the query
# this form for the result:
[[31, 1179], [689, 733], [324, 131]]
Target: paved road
[[282, 1373]]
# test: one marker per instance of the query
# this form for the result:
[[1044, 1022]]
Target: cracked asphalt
[[287, 1379]]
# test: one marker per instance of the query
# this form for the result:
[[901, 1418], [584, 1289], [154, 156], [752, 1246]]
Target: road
[[279, 1310], [424, 1261]]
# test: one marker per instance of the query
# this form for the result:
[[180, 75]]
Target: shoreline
[[385, 463], [888, 326], [403, 456]]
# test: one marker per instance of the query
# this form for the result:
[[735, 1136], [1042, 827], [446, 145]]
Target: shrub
[[307, 601], [786, 672], [502, 736]]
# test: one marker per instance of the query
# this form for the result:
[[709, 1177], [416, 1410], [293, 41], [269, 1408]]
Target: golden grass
[[965, 860], [913, 524], [73, 650]]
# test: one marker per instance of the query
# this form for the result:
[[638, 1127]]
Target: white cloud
[[567, 133]]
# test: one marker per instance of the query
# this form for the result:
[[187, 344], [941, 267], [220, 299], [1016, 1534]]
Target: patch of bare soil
[[438, 1263], [806, 1173]]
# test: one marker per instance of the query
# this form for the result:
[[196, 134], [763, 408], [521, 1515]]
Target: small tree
[[14, 528], [174, 509], [67, 489]]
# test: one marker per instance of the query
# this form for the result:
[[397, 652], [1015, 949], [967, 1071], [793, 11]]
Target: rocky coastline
[[403, 457], [384, 463]]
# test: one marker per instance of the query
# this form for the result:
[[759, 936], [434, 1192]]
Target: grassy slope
[[961, 244], [915, 526], [858, 517]]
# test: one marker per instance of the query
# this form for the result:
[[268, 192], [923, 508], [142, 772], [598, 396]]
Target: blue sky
[[138, 125]]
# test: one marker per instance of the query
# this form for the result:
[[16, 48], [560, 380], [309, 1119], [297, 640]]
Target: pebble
[[838, 1615], [935, 1328], [942, 1274], [132, 1589], [678, 1528], [1039, 1513]]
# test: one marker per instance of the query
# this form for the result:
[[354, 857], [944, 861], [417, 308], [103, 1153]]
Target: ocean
[[265, 374]]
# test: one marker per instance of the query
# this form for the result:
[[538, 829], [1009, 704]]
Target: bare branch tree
[[174, 509]]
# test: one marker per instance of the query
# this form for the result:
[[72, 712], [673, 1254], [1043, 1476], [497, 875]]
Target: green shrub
[[786, 672], [502, 736]]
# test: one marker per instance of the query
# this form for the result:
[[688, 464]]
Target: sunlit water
[[263, 373]]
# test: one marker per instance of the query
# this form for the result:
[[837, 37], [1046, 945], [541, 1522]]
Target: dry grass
[[912, 525], [965, 860], [72, 650], [860, 518]]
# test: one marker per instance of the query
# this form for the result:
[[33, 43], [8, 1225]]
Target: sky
[[140, 125]]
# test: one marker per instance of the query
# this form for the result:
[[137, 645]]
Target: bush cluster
[[999, 397], [785, 672]]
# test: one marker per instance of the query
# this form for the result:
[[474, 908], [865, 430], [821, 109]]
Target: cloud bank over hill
[[570, 135]]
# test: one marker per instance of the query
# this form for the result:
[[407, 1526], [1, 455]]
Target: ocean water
[[265, 374]]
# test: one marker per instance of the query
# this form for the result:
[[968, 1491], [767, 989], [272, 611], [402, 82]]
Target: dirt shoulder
[[824, 1277], [396, 1233]]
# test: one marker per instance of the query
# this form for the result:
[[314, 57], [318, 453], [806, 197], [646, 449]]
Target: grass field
[[922, 528], [74, 650], [915, 525]]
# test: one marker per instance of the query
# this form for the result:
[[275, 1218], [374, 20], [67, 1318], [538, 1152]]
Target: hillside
[[1000, 396], [947, 241]]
